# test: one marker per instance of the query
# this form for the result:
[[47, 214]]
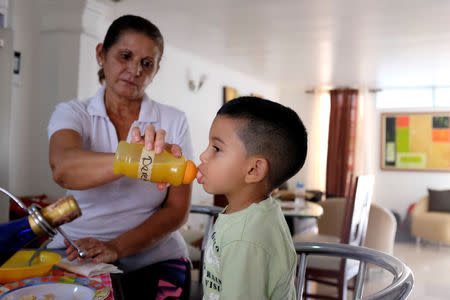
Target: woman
[[127, 221]]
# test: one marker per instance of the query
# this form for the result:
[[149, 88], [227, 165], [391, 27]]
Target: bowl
[[15, 268]]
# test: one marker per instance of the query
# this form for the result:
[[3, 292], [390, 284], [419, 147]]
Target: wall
[[313, 109], [24, 99]]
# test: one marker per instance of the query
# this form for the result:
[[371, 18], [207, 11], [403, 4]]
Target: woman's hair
[[272, 130], [130, 23]]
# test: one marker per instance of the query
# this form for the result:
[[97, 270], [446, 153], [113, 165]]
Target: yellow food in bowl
[[16, 267]]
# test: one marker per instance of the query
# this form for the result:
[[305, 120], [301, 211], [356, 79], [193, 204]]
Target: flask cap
[[190, 173]]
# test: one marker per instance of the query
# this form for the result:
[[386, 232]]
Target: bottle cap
[[300, 185], [190, 173]]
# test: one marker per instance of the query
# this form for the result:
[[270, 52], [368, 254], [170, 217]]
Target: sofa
[[430, 225]]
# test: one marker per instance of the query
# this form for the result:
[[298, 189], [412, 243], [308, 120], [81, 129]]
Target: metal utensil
[[38, 251], [81, 253]]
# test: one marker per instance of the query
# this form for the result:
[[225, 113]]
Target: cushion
[[439, 200]]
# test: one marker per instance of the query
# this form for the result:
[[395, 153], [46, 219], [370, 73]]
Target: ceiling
[[312, 43]]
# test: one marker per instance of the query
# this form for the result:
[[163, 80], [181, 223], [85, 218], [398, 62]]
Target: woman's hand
[[155, 139], [97, 250]]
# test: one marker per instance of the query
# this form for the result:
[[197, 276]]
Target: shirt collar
[[97, 107]]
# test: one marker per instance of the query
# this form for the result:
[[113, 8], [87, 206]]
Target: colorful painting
[[415, 141]]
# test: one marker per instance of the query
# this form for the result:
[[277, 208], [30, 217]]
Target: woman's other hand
[[97, 250], [155, 139]]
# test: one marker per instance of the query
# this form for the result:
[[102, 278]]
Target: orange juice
[[133, 160]]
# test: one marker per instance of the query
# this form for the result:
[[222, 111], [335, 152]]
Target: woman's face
[[130, 65]]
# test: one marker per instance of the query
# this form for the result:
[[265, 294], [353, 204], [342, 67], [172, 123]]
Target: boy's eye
[[216, 149], [147, 63]]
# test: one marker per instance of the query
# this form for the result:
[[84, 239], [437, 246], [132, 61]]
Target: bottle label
[[146, 164]]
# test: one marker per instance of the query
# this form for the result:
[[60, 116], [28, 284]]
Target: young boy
[[254, 146]]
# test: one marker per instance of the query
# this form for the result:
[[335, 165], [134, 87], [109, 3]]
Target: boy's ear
[[257, 170], [99, 53]]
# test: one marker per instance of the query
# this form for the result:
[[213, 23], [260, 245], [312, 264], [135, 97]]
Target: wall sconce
[[195, 86]]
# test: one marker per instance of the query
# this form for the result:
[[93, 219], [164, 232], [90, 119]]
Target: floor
[[429, 262]]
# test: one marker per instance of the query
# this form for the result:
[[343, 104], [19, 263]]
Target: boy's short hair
[[273, 131]]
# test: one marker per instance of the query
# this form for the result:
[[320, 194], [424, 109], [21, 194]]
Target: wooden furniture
[[332, 270]]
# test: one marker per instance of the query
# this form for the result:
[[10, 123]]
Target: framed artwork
[[229, 93], [415, 141]]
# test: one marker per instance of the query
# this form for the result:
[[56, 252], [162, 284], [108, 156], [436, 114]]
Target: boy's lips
[[200, 177]]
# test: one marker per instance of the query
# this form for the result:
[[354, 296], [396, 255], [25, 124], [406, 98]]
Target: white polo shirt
[[114, 208]]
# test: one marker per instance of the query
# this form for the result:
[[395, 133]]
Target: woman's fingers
[[174, 149], [149, 137], [98, 250], [160, 140], [136, 136], [161, 186]]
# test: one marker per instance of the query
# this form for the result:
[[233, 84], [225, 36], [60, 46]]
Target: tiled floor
[[430, 265]]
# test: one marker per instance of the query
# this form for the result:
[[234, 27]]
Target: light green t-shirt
[[250, 255]]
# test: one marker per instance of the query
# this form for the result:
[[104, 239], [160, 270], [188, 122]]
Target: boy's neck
[[244, 198]]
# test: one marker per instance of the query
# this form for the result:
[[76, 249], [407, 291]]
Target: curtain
[[341, 141]]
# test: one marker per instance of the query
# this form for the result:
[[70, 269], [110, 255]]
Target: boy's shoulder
[[262, 224]]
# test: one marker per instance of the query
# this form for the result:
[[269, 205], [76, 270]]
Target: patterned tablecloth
[[104, 279]]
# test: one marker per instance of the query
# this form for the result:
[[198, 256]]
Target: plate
[[61, 287], [15, 268]]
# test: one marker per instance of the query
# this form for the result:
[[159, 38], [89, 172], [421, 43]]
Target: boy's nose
[[203, 157]]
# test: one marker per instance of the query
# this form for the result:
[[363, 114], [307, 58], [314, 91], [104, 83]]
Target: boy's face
[[224, 162]]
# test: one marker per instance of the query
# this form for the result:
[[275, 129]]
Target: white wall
[[313, 109], [24, 99]]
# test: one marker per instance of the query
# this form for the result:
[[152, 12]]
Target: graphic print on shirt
[[211, 278]]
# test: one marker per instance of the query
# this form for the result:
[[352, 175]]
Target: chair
[[403, 279], [331, 270], [430, 225]]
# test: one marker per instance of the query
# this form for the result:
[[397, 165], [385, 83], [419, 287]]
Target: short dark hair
[[272, 130], [130, 23]]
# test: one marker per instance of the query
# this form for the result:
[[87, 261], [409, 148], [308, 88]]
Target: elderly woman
[[126, 221]]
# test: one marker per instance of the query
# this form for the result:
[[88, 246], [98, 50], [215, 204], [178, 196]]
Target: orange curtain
[[341, 141]]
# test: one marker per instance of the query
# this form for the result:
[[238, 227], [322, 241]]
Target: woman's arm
[[75, 168], [169, 218]]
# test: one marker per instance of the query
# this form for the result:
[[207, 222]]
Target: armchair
[[430, 225]]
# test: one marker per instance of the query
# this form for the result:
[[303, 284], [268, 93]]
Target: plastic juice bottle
[[133, 160]]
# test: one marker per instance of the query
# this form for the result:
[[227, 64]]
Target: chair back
[[357, 211]]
